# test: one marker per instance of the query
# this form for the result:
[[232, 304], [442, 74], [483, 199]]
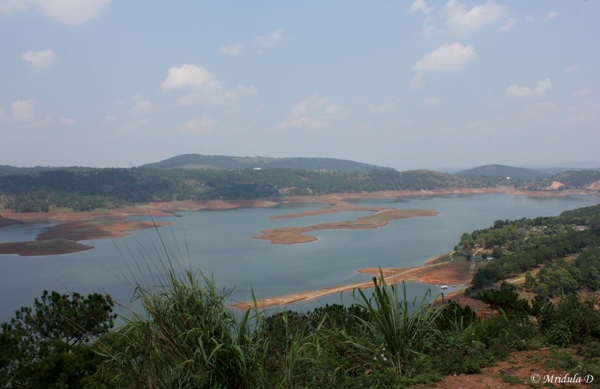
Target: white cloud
[[382, 109], [584, 113], [508, 24], [189, 77], [462, 22], [67, 121], [270, 39], [22, 110], [583, 92], [542, 110], [202, 86], [313, 112], [447, 57], [432, 101], [69, 12], [40, 59], [141, 107], [247, 90], [203, 126], [231, 49], [417, 81], [550, 15], [571, 69], [420, 5], [541, 88], [109, 119]]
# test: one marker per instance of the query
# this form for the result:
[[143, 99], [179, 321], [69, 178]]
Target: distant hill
[[197, 161], [574, 179], [558, 170], [504, 171]]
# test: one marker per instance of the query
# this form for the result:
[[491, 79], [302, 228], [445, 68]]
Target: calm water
[[219, 243]]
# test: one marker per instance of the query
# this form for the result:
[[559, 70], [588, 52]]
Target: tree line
[[87, 190]]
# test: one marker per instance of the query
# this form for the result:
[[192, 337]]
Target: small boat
[[444, 286]]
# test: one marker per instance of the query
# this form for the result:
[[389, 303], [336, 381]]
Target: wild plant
[[187, 337], [407, 330]]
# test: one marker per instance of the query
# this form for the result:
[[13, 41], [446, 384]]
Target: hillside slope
[[198, 161], [503, 171]]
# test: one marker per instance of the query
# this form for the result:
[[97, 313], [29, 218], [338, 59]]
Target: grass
[[408, 330]]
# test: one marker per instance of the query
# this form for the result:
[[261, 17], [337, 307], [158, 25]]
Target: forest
[[87, 190]]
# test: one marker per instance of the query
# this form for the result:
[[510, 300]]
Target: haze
[[407, 85]]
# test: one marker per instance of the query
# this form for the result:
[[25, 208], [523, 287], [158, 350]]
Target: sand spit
[[294, 235], [450, 273]]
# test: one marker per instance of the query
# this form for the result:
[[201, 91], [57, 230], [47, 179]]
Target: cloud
[[542, 110], [417, 81], [67, 121], [109, 119], [141, 107], [432, 101], [550, 15], [231, 49], [40, 59], [313, 112], [247, 90], [22, 110], [541, 88], [420, 5], [583, 92], [203, 126], [202, 86], [462, 22], [584, 113], [69, 12], [447, 57], [571, 69], [382, 109], [508, 24], [189, 77], [270, 39]]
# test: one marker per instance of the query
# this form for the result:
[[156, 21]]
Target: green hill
[[504, 171], [198, 161]]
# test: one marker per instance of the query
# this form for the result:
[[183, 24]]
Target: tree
[[48, 345]]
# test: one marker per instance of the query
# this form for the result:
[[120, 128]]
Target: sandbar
[[294, 235], [435, 273]]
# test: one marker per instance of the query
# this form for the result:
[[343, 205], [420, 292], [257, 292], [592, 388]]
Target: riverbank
[[113, 224], [452, 273]]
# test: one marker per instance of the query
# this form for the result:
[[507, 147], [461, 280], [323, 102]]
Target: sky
[[409, 85]]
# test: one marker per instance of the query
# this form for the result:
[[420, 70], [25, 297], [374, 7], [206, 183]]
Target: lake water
[[220, 244]]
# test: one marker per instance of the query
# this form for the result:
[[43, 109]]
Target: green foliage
[[187, 336], [406, 330], [48, 345], [86, 190]]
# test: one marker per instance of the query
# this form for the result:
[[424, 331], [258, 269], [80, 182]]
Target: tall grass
[[408, 330], [187, 337]]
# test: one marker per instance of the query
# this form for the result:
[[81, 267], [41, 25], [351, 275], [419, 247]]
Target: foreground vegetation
[[186, 336]]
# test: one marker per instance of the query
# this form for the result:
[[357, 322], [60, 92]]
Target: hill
[[580, 179], [198, 161], [504, 171]]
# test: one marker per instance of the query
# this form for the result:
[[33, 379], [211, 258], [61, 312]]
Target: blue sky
[[423, 84]]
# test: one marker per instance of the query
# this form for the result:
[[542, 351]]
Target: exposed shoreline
[[451, 273], [75, 226]]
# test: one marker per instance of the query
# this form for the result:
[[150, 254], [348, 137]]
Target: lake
[[220, 244]]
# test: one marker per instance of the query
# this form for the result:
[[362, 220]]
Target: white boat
[[444, 286]]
